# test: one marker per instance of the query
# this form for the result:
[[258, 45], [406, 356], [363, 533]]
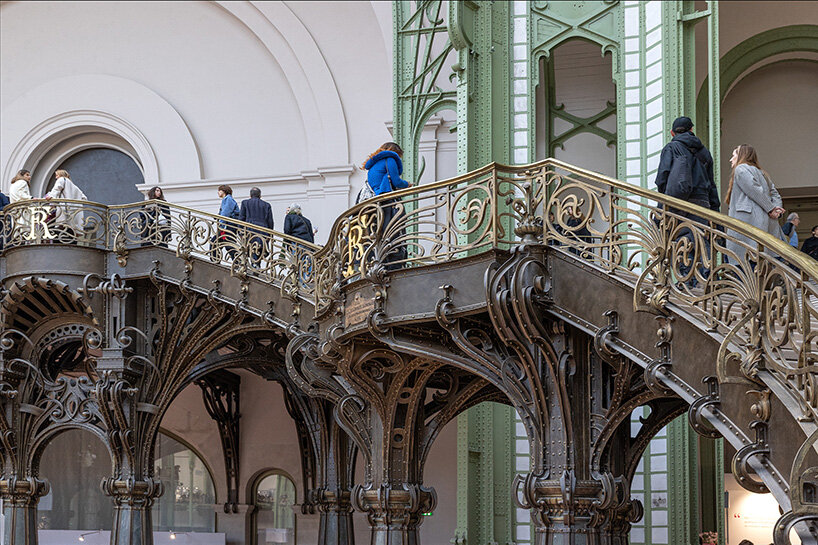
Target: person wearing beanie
[[686, 172]]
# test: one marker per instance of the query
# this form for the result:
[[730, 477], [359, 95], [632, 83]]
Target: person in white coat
[[19, 187], [63, 188], [752, 198]]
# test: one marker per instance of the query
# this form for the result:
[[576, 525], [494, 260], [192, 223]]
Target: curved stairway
[[560, 292]]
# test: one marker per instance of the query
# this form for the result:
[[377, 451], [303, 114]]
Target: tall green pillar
[[481, 35]]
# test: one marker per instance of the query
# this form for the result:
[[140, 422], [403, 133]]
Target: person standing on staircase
[[19, 187], [258, 212], [686, 172], [384, 168]]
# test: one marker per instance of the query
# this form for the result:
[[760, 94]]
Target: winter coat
[[384, 170], [68, 214], [753, 197], [257, 212], [19, 191], [298, 226], [676, 173], [810, 247]]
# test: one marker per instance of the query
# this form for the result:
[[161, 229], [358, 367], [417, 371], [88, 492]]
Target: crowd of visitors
[[685, 171]]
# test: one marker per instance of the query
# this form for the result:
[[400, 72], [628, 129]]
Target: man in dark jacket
[[680, 176], [686, 172], [810, 246], [257, 212]]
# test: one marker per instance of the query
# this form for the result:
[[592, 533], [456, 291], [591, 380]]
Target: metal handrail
[[755, 290], [247, 250]]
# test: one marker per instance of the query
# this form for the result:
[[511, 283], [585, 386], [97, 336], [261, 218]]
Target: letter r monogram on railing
[[38, 216]]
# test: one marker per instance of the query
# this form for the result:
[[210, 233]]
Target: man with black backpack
[[686, 172]]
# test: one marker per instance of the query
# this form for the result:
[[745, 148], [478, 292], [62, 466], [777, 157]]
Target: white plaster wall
[[277, 95], [773, 109], [227, 87]]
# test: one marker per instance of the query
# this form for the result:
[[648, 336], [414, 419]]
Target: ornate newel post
[[575, 395], [132, 426]]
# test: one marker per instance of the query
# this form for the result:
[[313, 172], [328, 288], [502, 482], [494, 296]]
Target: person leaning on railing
[[384, 168], [751, 198]]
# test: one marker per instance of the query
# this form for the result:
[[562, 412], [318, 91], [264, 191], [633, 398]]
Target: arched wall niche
[[143, 125], [47, 158], [289, 42], [252, 500]]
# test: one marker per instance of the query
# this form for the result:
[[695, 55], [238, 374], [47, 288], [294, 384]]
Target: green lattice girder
[[421, 46]]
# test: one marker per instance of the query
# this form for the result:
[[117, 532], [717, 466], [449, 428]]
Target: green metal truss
[[421, 47]]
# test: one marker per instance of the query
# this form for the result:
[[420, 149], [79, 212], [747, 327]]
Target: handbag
[[52, 215], [365, 193]]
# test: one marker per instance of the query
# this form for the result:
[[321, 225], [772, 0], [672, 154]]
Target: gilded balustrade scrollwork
[[761, 299], [247, 250]]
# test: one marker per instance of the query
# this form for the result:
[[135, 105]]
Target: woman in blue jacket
[[384, 168]]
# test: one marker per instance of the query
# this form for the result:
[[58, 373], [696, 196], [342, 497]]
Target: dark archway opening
[[105, 175]]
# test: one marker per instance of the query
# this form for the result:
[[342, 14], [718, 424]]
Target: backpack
[[365, 193]]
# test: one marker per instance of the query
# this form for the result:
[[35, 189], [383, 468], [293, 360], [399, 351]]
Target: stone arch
[[137, 121], [741, 61], [295, 50]]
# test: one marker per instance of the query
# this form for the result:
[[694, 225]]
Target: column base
[[132, 524], [20, 498]]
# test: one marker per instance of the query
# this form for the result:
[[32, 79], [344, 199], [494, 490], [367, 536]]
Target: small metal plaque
[[357, 310]]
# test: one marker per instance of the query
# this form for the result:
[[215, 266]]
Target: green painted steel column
[[683, 486], [480, 32]]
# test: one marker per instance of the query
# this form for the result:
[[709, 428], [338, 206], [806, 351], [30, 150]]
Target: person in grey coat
[[752, 198]]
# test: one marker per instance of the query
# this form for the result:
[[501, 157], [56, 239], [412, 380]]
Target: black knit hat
[[682, 124]]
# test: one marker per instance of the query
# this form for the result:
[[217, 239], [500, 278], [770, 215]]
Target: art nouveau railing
[[756, 292], [248, 251]]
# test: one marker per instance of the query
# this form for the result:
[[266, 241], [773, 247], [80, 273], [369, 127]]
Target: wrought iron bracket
[[695, 413], [741, 467], [220, 390]]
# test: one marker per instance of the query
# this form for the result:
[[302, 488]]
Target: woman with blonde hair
[[751, 198], [68, 214]]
